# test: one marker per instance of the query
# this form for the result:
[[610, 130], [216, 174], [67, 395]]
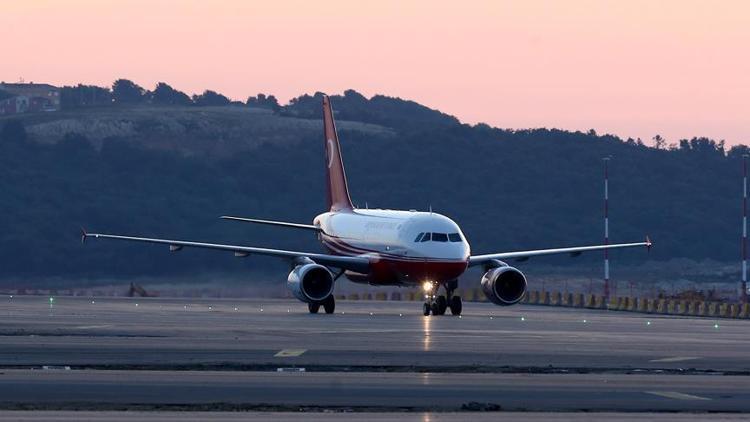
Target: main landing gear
[[438, 304], [329, 305]]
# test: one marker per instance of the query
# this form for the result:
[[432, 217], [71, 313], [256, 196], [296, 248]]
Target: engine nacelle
[[310, 282], [504, 286]]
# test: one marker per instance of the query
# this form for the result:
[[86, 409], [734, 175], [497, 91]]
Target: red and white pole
[[743, 287], [606, 227]]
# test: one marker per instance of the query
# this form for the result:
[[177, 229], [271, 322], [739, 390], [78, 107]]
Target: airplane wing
[[574, 251], [359, 264], [273, 223]]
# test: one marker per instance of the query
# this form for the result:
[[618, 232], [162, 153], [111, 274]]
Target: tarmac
[[375, 358]]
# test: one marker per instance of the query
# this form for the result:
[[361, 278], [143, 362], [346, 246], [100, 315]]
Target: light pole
[[743, 287], [606, 227]]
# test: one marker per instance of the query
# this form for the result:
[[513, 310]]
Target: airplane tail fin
[[338, 191]]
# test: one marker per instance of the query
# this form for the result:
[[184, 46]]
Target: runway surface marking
[[677, 396], [87, 327], [674, 359], [290, 353]]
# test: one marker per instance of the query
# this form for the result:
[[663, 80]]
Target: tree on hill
[[738, 151], [164, 94], [659, 142], [127, 92], [702, 146], [380, 109], [84, 96], [210, 98], [262, 101]]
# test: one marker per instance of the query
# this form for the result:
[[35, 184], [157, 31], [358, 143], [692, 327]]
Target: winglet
[[648, 244], [84, 235]]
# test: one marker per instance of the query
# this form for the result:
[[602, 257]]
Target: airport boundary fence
[[659, 306]]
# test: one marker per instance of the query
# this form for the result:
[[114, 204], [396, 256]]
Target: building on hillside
[[28, 98]]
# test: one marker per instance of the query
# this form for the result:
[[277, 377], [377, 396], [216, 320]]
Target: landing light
[[427, 286]]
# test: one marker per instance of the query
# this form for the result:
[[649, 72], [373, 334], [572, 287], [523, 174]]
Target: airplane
[[382, 247]]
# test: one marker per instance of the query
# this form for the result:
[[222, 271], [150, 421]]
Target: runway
[[373, 391], [369, 356]]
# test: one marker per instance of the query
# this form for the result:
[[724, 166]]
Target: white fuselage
[[411, 246]]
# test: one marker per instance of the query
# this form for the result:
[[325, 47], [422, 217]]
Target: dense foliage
[[508, 189], [387, 111]]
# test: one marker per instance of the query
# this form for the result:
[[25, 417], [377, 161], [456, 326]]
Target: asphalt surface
[[114, 416], [370, 356], [376, 391]]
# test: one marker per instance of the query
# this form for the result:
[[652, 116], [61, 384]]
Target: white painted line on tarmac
[[88, 327], [675, 359], [289, 353], [677, 396]]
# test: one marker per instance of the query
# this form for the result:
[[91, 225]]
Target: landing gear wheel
[[426, 309], [329, 304], [313, 307], [440, 306], [456, 305]]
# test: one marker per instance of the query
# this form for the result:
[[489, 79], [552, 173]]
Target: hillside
[[171, 171], [215, 132]]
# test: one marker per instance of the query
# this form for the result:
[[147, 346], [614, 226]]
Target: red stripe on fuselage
[[329, 241], [395, 269]]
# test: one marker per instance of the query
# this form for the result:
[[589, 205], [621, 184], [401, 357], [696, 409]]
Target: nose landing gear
[[438, 304]]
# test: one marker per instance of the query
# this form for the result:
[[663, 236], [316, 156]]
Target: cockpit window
[[439, 237]]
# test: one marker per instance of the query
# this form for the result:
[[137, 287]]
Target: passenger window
[[454, 237], [426, 237], [419, 237], [439, 237]]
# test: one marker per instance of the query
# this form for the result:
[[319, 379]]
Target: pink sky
[[630, 67]]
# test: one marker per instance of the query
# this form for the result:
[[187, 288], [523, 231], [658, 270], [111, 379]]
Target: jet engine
[[310, 282], [504, 285]]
